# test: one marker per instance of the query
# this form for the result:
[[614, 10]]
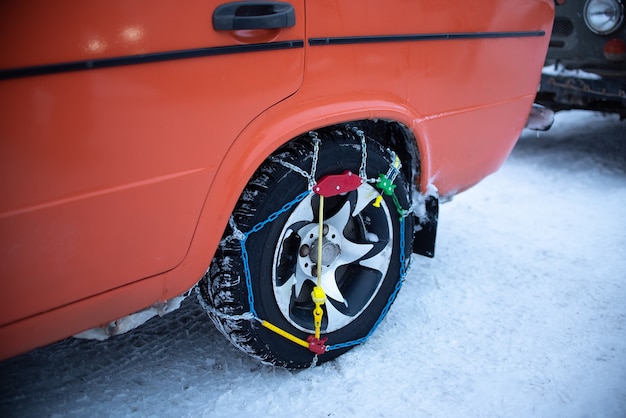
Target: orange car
[[283, 159]]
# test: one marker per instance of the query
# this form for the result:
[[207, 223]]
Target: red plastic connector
[[316, 345], [335, 184]]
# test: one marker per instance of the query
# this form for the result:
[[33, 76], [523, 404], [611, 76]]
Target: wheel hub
[[330, 252], [308, 251]]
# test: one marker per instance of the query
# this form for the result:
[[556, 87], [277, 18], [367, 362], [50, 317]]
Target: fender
[[289, 119], [272, 129]]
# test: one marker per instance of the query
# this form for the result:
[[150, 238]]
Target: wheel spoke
[[340, 219], [299, 279], [351, 252], [365, 194], [329, 284], [304, 211], [334, 318], [378, 261], [283, 293]]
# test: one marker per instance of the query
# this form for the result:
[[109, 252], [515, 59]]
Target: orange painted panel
[[117, 182], [44, 32], [104, 171]]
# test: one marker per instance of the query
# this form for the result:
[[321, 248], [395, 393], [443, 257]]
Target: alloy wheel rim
[[356, 251]]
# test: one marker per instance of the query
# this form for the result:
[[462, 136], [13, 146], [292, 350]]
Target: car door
[[116, 115]]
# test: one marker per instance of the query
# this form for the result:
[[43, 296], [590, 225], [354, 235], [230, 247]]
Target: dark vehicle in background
[[586, 60]]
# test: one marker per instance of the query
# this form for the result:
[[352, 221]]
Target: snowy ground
[[521, 314]]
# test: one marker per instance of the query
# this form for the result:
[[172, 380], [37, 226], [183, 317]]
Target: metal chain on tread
[[363, 167], [237, 234], [316, 151], [309, 176], [247, 316], [292, 167]]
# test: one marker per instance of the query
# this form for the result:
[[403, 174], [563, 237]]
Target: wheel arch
[[386, 121]]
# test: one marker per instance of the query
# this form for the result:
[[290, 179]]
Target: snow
[[130, 322], [522, 313], [560, 71]]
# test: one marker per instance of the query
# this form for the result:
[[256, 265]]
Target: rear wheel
[[361, 251]]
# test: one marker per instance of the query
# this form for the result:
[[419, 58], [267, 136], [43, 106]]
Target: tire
[[362, 261]]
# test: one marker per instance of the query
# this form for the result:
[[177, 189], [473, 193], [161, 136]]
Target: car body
[[130, 128], [586, 60]]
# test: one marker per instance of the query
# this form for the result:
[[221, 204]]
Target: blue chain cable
[[257, 228]]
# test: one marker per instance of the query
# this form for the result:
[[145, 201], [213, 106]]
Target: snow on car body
[[142, 140], [586, 59]]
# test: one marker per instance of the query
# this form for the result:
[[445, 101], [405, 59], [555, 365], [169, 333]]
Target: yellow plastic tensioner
[[318, 295], [319, 298], [285, 334]]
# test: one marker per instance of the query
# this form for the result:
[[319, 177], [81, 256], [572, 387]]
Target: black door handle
[[254, 15]]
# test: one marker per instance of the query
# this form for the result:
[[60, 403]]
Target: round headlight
[[603, 16]]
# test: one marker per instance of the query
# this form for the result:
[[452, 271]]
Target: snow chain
[[328, 186]]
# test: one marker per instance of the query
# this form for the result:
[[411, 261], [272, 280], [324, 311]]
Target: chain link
[[316, 151], [292, 167], [310, 177], [363, 167]]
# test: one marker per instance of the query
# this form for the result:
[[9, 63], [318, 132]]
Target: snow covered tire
[[362, 262]]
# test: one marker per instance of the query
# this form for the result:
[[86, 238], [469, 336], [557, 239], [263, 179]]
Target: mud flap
[[425, 232], [540, 118]]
